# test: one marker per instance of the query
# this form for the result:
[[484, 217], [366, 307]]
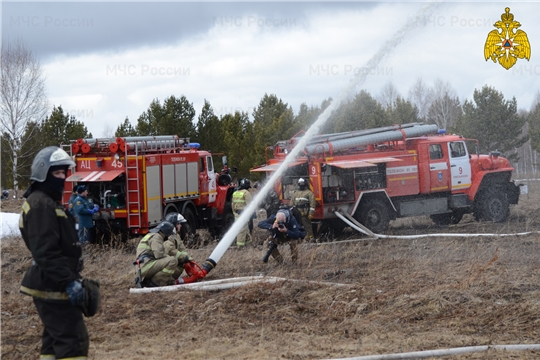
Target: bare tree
[[108, 131], [23, 101], [388, 96], [445, 106], [420, 95]]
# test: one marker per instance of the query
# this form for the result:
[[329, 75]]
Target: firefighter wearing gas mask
[[304, 200], [54, 280], [240, 200]]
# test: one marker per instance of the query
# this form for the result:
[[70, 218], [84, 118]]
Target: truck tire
[[492, 205], [191, 225], [375, 215], [447, 219], [331, 229]]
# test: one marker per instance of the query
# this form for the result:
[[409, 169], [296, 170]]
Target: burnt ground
[[402, 295]]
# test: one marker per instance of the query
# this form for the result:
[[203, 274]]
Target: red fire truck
[[378, 175], [136, 181]]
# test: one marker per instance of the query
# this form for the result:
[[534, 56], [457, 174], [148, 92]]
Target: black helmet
[[165, 227], [47, 158], [244, 184], [175, 218]]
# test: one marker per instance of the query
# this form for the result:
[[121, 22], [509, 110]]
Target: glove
[[96, 208], [75, 292], [91, 211], [310, 217]]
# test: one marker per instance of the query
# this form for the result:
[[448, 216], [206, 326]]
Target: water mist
[[413, 23]]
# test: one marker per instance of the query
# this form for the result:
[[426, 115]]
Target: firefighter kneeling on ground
[[304, 200], [284, 229], [157, 267], [174, 246]]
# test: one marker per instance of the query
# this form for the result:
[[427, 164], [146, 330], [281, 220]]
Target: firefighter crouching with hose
[[304, 200], [159, 259], [156, 266], [174, 246]]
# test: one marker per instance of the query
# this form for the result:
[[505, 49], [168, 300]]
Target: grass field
[[403, 295]]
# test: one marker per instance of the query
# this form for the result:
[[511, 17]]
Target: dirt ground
[[402, 295]]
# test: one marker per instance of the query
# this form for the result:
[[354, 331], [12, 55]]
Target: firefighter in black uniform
[[54, 279]]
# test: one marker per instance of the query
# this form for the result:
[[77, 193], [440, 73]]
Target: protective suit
[[49, 233], [240, 200], [157, 265], [304, 200]]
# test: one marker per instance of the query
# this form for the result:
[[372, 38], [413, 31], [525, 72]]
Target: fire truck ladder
[[133, 186]]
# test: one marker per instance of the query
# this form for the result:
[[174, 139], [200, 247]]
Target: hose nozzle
[[195, 271]]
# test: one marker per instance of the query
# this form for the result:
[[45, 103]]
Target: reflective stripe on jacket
[[240, 199]]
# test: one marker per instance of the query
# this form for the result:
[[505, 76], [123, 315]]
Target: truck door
[[212, 186], [460, 167], [439, 174]]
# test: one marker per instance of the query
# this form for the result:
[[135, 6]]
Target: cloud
[[304, 58]]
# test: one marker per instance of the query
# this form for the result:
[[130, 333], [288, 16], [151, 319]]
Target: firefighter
[[284, 229], [174, 245], [157, 267], [304, 200], [240, 200], [85, 210], [54, 279]]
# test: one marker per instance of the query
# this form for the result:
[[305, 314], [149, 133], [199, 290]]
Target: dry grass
[[404, 295]]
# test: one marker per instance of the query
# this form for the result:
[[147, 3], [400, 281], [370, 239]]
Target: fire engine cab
[[378, 175], [136, 181]]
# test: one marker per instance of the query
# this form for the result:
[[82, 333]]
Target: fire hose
[[195, 272]]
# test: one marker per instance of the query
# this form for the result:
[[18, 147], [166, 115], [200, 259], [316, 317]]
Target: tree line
[[244, 138]]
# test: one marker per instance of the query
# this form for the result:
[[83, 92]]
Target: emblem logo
[[508, 44]]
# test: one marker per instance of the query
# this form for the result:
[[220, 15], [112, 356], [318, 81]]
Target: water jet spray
[[419, 19]]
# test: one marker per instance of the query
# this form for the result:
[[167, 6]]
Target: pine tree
[[493, 121], [125, 129]]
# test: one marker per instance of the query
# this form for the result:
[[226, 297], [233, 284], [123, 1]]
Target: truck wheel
[[447, 219], [492, 205], [191, 225], [331, 229], [375, 215]]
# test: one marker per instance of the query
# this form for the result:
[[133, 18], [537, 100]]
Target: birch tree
[[389, 95], [445, 107], [420, 95], [23, 100]]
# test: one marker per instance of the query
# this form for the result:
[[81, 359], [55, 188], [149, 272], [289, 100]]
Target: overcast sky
[[105, 61]]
